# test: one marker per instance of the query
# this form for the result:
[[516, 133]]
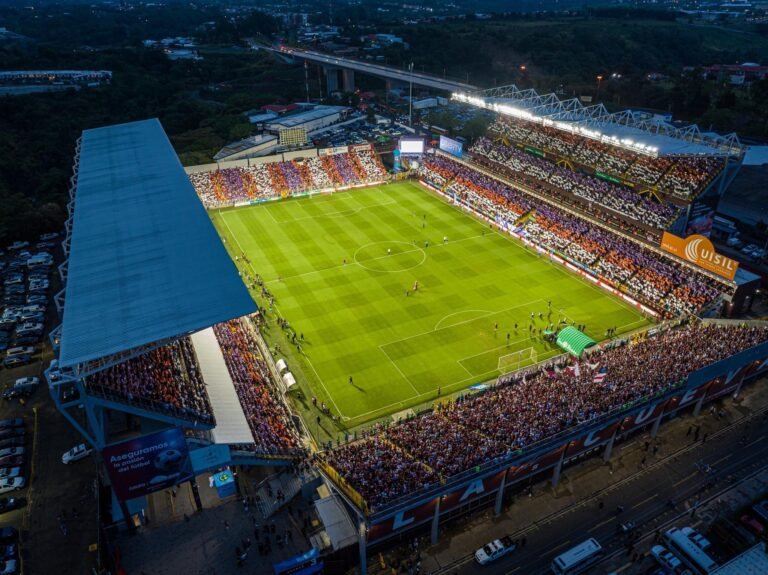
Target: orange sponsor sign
[[699, 250]]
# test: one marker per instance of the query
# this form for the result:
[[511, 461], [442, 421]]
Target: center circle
[[390, 256]]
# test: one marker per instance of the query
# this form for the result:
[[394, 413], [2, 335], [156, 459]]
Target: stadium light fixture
[[507, 110]]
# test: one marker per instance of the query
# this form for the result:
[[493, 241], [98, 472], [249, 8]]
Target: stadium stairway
[[287, 482]]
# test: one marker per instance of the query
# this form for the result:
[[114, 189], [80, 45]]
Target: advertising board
[[149, 463], [412, 146], [699, 250], [451, 146]]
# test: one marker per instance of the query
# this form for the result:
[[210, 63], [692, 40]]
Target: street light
[[599, 79], [410, 95]]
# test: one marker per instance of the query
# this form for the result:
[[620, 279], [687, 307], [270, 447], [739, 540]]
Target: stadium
[[425, 330]]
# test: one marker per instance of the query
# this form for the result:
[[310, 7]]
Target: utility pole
[[410, 96]]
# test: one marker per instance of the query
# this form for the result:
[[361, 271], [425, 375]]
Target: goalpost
[[517, 359]]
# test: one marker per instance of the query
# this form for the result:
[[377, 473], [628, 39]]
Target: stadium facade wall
[[484, 485]]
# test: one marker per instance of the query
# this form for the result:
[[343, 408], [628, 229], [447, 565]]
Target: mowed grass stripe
[[357, 319]]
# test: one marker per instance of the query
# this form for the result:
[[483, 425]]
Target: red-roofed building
[[736, 74]]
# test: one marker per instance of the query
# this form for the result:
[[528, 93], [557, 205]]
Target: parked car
[[8, 567], [29, 338], [49, 236], [10, 552], [37, 299], [10, 503], [35, 317], [12, 442], [11, 432], [8, 472], [17, 422], [494, 550], [14, 278], [666, 558], [27, 350], [29, 327], [76, 453], [9, 535], [698, 539], [11, 484], [11, 461], [16, 361]]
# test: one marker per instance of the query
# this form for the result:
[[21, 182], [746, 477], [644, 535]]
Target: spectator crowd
[[521, 410], [575, 187], [166, 379], [267, 415], [273, 180], [651, 278], [680, 176]]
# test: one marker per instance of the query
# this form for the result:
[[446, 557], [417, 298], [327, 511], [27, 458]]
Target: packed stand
[[371, 164], [691, 174], [267, 415], [166, 379], [682, 176], [443, 445], [272, 180], [379, 471], [652, 279], [522, 410], [486, 195], [558, 181]]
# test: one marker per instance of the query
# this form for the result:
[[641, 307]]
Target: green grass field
[[357, 319]]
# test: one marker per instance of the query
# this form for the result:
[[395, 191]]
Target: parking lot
[[52, 506]]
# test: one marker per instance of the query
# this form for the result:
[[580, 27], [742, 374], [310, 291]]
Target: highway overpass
[[348, 67]]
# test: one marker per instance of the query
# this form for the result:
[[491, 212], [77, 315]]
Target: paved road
[[651, 498]]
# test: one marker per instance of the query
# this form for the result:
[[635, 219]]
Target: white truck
[[495, 549]]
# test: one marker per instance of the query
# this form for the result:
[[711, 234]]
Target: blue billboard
[[451, 146], [148, 463]]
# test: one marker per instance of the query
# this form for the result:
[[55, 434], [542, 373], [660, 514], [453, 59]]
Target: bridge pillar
[[558, 469], [697, 409], [395, 85], [331, 79], [609, 448], [348, 80], [656, 424], [435, 523], [500, 496], [362, 541]]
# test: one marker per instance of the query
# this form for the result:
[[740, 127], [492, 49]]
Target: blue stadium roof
[[145, 261]]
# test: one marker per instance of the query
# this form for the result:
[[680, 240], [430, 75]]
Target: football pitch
[[343, 267]]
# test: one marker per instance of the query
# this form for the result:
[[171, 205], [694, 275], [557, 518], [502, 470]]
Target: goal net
[[517, 359]]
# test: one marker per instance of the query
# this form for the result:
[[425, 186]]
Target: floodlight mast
[[410, 96]]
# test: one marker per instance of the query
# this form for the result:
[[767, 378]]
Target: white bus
[[577, 559], [689, 552]]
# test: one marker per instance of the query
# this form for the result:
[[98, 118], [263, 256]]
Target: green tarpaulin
[[573, 341]]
